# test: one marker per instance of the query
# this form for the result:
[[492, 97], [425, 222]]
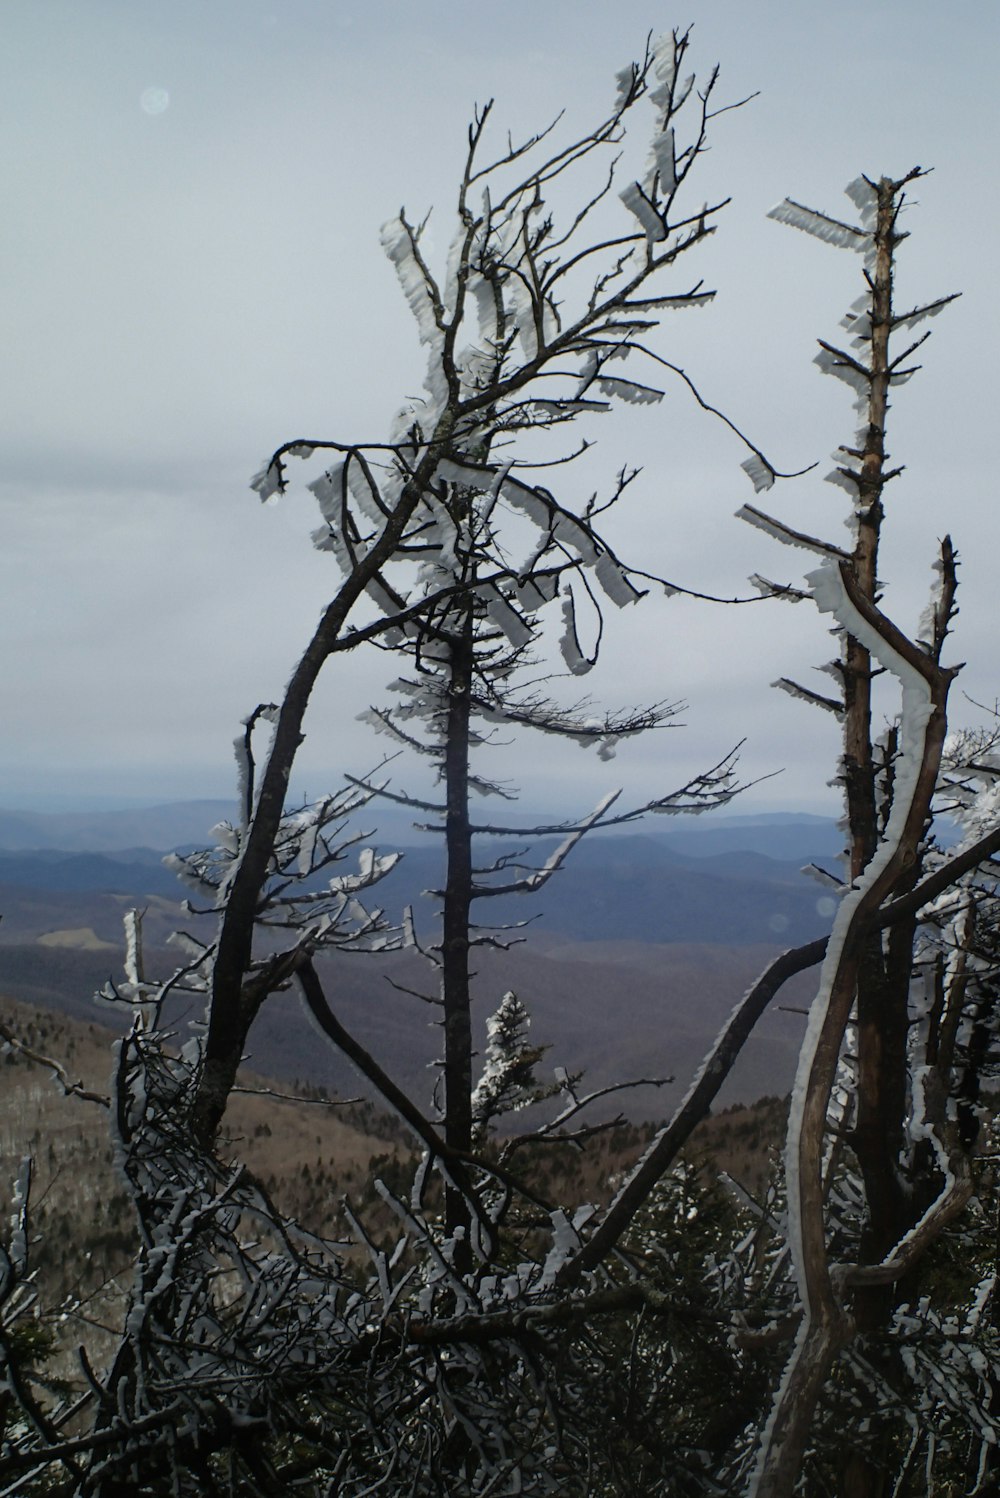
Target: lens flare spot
[[778, 922], [154, 101], [826, 905]]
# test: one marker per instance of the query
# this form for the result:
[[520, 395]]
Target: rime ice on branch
[[531, 325], [867, 1124]]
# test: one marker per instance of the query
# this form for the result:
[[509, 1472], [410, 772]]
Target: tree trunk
[[455, 933]]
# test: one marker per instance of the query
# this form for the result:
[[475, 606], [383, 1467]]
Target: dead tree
[[527, 332], [524, 330], [469, 679], [249, 1355], [871, 1091], [886, 1090]]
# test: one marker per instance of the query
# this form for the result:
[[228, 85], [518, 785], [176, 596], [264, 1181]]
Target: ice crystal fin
[[843, 368], [769, 589], [569, 644], [786, 534], [820, 225], [864, 196], [267, 482], [664, 163], [625, 79], [760, 472], [398, 245], [507, 619], [628, 390], [615, 582]]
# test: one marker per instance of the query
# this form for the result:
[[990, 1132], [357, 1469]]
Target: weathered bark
[[859, 771], [230, 1013], [883, 976], [455, 935], [868, 977]]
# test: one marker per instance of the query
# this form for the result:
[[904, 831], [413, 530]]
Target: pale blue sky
[[185, 289]]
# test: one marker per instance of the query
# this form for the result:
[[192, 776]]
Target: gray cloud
[[188, 286]]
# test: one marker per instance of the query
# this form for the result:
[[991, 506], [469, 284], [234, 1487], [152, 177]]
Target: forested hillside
[[312, 1150]]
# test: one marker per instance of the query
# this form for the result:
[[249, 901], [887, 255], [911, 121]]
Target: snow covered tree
[[508, 1082], [522, 330], [530, 328], [464, 685], [878, 1166]]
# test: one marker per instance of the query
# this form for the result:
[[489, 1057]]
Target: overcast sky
[[191, 276]]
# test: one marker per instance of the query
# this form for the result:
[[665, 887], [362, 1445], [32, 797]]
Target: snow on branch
[[13, 1043], [836, 362], [629, 390], [507, 619], [785, 684], [768, 589], [864, 195], [558, 857], [508, 1083], [533, 882], [663, 161], [821, 226], [615, 581], [569, 642], [399, 241], [637, 203], [760, 472], [930, 309], [785, 534], [268, 481], [665, 51]]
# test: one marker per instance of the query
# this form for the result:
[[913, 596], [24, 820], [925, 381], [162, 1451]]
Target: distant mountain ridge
[[630, 888], [171, 825], [635, 950], [140, 870], [175, 824]]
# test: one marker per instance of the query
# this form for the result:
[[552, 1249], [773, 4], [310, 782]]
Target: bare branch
[[696, 1103]]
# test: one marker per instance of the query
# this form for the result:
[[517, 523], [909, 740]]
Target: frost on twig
[[876, 1169]]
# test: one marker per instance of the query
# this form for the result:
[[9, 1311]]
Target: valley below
[[629, 961], [629, 964]]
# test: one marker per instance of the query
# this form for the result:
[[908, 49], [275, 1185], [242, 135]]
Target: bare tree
[[524, 300], [249, 1354], [463, 689], [525, 331], [874, 1076], [884, 1128]]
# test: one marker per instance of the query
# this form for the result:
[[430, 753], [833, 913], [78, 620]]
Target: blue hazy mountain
[[667, 927], [736, 882]]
